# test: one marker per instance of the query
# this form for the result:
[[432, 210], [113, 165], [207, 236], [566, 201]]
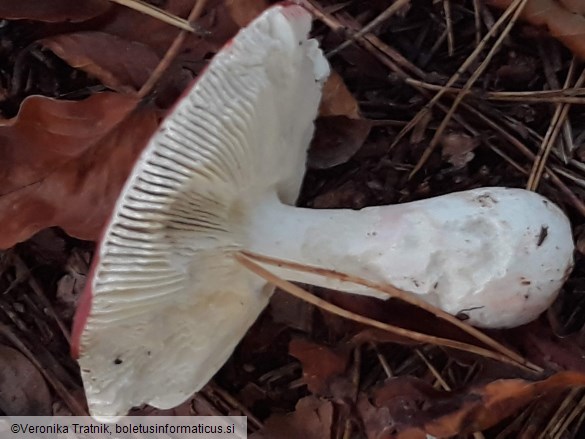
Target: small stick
[[519, 7], [433, 371], [477, 17], [460, 71], [300, 293], [571, 95], [159, 14], [389, 12], [382, 360], [559, 117], [235, 403], [449, 22], [171, 53], [386, 54], [395, 292]]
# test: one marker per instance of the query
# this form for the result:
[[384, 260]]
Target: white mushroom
[[167, 302], [495, 256]]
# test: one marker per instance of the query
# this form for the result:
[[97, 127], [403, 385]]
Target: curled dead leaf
[[131, 25], [416, 409], [48, 132], [54, 11], [79, 189], [336, 140], [457, 148], [312, 419], [320, 363], [117, 63], [565, 20], [337, 100]]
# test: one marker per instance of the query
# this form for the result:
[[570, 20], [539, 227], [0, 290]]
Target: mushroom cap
[[166, 305]]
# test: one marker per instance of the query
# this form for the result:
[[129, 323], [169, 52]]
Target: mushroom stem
[[496, 256], [301, 294]]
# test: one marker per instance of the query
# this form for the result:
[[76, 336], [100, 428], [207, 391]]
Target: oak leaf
[[67, 163], [117, 63], [416, 409], [312, 419], [337, 100], [337, 139], [54, 11], [48, 132], [131, 25], [321, 364]]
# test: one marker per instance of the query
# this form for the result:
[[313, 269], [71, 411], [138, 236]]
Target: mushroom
[[167, 300]]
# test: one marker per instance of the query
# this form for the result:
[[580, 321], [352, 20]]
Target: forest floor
[[401, 121]]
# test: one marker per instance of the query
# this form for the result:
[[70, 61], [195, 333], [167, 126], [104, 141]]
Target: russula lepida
[[167, 301]]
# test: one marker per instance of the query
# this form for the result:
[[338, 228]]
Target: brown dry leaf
[[417, 409], [580, 239], [320, 363], [377, 421], [312, 419], [554, 353], [336, 140], [131, 25], [23, 390], [119, 64], [337, 100], [244, 11], [48, 132], [78, 194], [54, 11], [566, 23], [458, 148], [291, 311], [577, 6]]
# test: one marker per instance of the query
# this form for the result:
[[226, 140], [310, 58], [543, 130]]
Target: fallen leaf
[[580, 235], [48, 132], [54, 11], [78, 194], [244, 11], [291, 311], [417, 409], [349, 195], [336, 140], [312, 419], [117, 63], [549, 350], [516, 71], [377, 421], [131, 25], [458, 148], [321, 364], [337, 100], [576, 6], [565, 21], [23, 390]]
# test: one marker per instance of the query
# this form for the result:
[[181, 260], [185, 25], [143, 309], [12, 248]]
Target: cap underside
[[169, 304]]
